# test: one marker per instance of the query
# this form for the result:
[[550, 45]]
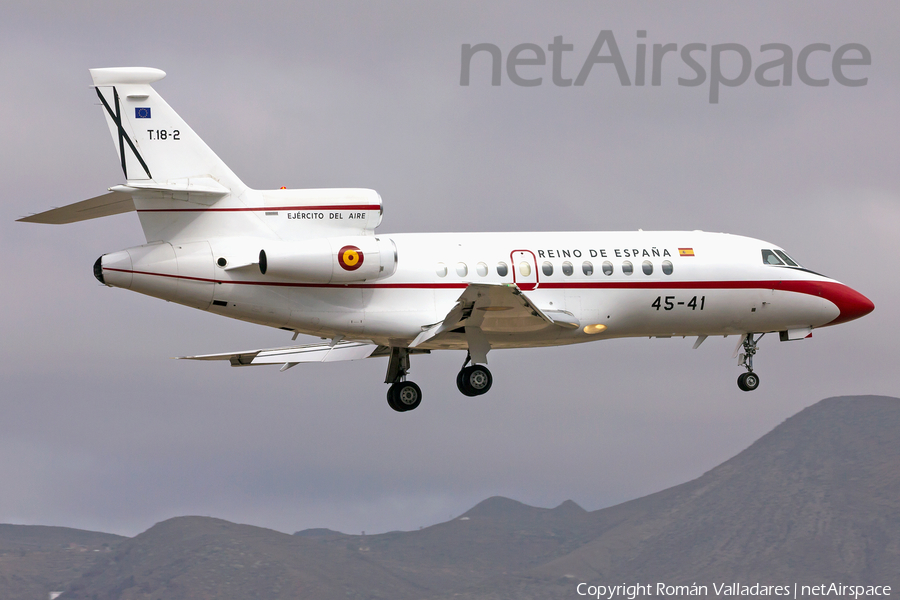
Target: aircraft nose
[[851, 303]]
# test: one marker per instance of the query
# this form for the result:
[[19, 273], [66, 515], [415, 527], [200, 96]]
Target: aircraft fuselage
[[659, 284]]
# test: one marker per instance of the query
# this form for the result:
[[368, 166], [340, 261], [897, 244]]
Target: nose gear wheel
[[748, 381]]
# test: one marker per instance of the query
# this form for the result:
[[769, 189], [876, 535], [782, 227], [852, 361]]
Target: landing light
[[595, 328]]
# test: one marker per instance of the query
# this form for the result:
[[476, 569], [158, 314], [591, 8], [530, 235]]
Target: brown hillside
[[816, 500], [36, 560]]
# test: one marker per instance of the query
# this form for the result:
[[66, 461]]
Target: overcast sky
[[99, 429]]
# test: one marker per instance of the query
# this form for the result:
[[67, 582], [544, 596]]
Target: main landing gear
[[748, 381], [403, 395], [474, 380]]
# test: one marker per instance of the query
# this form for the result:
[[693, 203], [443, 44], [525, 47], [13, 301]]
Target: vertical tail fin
[[154, 144], [182, 192]]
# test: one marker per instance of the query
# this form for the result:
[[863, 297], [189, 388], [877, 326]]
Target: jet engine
[[350, 259]]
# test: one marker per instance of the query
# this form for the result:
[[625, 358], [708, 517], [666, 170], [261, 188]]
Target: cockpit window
[[783, 255], [770, 258], [778, 257]]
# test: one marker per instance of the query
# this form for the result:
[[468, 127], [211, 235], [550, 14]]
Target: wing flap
[[496, 308]]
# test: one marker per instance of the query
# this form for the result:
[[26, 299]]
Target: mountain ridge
[[815, 499]]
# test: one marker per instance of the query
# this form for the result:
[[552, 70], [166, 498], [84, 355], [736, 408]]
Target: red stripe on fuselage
[[301, 285], [265, 208], [849, 302]]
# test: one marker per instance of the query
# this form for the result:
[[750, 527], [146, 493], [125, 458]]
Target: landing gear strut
[[403, 395], [474, 380], [748, 381]]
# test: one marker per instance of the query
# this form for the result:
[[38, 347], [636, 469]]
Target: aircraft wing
[[494, 308], [113, 203], [293, 355]]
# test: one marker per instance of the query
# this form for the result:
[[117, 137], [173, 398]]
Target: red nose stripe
[[851, 303]]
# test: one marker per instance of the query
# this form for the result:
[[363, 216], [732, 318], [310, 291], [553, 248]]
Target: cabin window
[[587, 268], [627, 267], [524, 269], [770, 258], [567, 268], [461, 269], [547, 268], [502, 269], [647, 267], [441, 270], [482, 269], [667, 267], [607, 268]]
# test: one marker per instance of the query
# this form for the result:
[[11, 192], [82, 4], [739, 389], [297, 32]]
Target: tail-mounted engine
[[330, 260]]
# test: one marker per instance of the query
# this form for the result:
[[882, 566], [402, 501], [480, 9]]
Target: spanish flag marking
[[685, 252], [350, 258]]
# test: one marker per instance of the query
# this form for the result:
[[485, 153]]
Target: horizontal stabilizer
[[195, 185], [113, 203]]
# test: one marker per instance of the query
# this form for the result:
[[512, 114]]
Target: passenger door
[[524, 269]]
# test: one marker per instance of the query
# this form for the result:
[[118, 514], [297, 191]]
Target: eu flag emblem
[[142, 112]]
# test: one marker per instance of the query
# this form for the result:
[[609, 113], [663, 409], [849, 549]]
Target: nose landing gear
[[748, 381]]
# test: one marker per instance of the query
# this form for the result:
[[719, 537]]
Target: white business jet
[[310, 262]]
